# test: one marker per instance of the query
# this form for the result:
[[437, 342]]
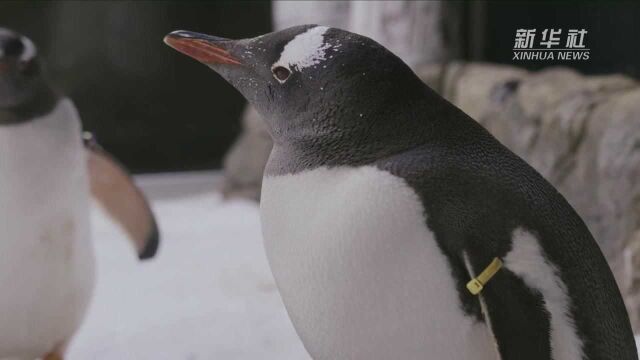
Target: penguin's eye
[[281, 73]]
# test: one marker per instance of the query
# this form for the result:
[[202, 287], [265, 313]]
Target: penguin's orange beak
[[205, 48]]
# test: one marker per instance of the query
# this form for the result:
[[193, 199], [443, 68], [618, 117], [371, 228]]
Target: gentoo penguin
[[46, 254], [397, 227]]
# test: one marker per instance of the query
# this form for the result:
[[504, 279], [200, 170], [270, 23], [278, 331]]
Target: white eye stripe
[[29, 51], [305, 50]]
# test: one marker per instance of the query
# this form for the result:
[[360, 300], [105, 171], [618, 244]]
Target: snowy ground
[[209, 293]]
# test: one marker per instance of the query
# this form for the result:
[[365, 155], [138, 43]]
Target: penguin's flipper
[[515, 314], [116, 192]]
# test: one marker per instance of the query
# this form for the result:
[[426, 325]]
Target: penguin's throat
[[291, 157], [38, 102]]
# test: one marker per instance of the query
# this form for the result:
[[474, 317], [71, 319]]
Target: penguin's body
[[381, 201], [373, 267], [370, 281], [42, 162], [46, 178]]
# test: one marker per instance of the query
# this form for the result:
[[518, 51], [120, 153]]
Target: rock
[[245, 161], [614, 141]]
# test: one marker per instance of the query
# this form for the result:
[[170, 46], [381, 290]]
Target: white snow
[[306, 49], [209, 293]]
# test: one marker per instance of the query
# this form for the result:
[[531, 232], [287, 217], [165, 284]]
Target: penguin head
[[308, 81], [19, 69]]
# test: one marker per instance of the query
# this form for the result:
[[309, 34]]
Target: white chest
[[360, 273], [46, 258]]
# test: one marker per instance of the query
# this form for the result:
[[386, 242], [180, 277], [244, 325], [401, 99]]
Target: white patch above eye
[[305, 50], [29, 51]]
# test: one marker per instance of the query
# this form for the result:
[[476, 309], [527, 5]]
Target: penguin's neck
[[41, 102], [381, 132]]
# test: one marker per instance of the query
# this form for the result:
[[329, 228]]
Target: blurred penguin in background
[[47, 174]]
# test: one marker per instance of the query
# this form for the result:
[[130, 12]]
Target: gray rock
[[245, 161]]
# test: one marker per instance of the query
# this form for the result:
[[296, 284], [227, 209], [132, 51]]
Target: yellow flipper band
[[476, 284]]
